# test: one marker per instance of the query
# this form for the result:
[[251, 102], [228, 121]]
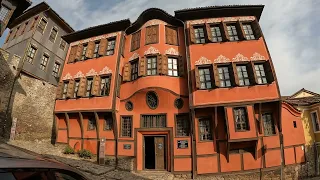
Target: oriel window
[[243, 75], [205, 78], [172, 66], [248, 33], [232, 32], [134, 70], [224, 76], [240, 118], [268, 124], [205, 129], [199, 34], [260, 73], [151, 66], [105, 86], [216, 33]]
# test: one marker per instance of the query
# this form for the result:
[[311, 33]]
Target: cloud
[[290, 28]]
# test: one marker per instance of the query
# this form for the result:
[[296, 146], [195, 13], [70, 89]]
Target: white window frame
[[313, 121], [54, 27], [45, 27], [61, 42]]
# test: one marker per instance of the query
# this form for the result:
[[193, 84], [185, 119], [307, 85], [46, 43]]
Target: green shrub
[[68, 150], [85, 154]]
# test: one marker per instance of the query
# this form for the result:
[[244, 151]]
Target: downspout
[[193, 138]]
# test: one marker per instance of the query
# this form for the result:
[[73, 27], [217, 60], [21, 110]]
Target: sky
[[289, 26]]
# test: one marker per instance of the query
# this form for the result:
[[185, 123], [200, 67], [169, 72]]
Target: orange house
[[191, 93]]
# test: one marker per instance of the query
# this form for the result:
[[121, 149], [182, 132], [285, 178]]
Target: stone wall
[[31, 103]]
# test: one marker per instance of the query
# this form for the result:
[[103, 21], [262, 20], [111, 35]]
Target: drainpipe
[[193, 138]]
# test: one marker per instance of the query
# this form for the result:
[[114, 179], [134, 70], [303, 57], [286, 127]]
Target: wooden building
[[191, 93]]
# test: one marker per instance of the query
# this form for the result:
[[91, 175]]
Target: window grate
[[182, 125], [268, 124], [126, 126], [205, 129], [241, 120], [154, 121], [243, 75]]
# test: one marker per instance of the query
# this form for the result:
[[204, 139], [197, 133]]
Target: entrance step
[[156, 175]]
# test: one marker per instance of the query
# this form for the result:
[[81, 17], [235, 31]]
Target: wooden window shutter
[[209, 34], [82, 87], [159, 63], [240, 30], [224, 31], [174, 36], [95, 90], [70, 90], [256, 29], [232, 75], [252, 73], [59, 92], [164, 65], [268, 71], [192, 35], [235, 74], [197, 77], [79, 52], [90, 49], [216, 75], [181, 66], [156, 34], [142, 66], [127, 72], [148, 36], [168, 35], [72, 54], [102, 47]]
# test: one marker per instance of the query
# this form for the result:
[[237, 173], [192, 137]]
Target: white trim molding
[[106, 70], [78, 75], [67, 76], [257, 56], [172, 51], [222, 59], [203, 60], [151, 50], [240, 58]]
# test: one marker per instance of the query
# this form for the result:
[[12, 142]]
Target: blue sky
[[290, 27]]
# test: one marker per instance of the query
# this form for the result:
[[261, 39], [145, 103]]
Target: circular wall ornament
[[152, 100], [178, 103], [129, 106]]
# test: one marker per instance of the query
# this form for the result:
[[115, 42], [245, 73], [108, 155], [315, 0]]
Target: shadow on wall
[[8, 88]]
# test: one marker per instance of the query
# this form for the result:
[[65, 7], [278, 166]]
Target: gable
[[302, 94]]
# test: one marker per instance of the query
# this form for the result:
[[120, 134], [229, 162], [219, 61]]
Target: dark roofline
[[41, 7], [21, 6], [219, 11], [97, 30], [303, 90], [153, 13]]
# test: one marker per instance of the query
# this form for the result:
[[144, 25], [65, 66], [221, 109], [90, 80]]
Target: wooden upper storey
[[223, 60]]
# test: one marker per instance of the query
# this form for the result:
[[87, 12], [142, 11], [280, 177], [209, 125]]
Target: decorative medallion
[[106, 70], [247, 18], [151, 50], [229, 19], [152, 100], [257, 56], [78, 75], [203, 60], [214, 20], [239, 57], [222, 59], [178, 103], [172, 51], [134, 56], [92, 72], [67, 76], [129, 106]]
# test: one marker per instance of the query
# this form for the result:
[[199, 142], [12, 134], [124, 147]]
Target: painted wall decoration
[[67, 76], [151, 50], [134, 56], [257, 56], [203, 60], [95, 38], [78, 75], [239, 58], [222, 59], [172, 51], [92, 72], [223, 19], [105, 70]]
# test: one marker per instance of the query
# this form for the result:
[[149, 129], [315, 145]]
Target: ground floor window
[[205, 129], [126, 126], [153, 121], [268, 124], [182, 125]]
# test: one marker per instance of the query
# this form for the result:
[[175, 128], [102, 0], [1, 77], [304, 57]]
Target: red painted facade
[[216, 141]]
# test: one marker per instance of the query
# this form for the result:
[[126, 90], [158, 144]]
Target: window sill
[[182, 136], [172, 44], [205, 141], [272, 135], [316, 132], [242, 130]]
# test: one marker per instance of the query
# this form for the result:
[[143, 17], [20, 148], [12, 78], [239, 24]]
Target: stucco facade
[[176, 99]]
